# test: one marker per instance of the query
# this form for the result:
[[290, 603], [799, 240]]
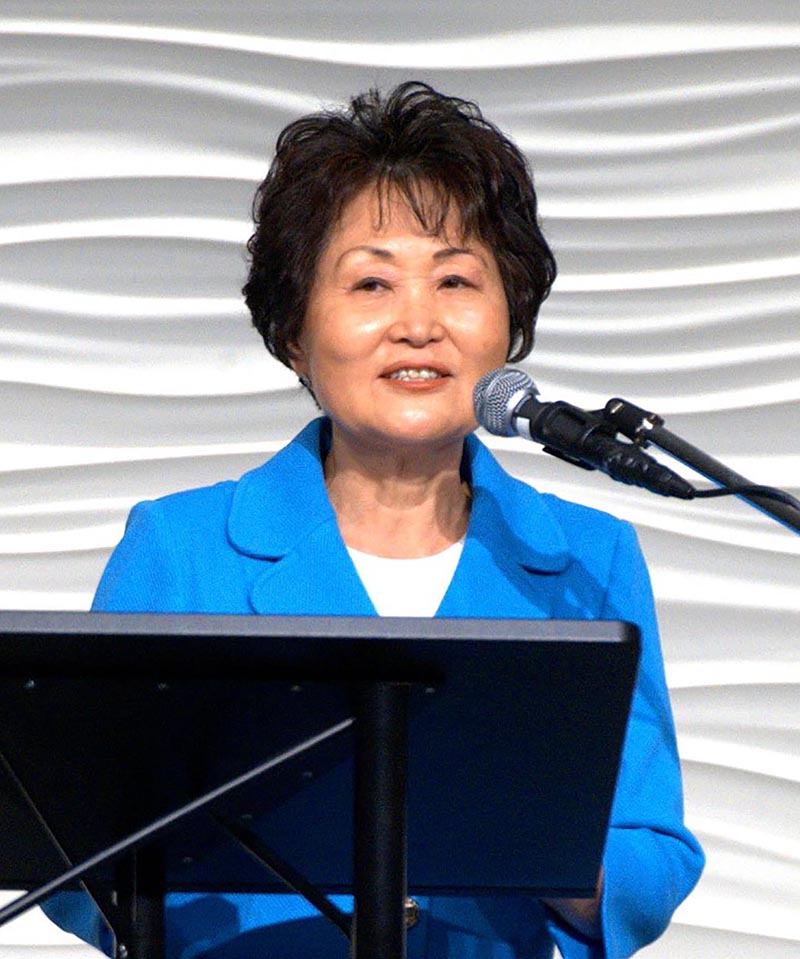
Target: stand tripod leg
[[379, 827]]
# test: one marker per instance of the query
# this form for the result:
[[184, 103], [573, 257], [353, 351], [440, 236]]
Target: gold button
[[411, 911]]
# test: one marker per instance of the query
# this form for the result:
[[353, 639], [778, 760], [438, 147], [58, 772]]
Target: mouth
[[415, 374]]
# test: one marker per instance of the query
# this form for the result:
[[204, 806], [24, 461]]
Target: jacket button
[[411, 912]]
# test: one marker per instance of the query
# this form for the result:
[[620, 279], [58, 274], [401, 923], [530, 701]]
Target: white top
[[407, 587]]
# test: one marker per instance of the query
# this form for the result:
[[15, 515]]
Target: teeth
[[415, 374]]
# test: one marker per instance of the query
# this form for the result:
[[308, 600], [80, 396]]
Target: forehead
[[374, 211]]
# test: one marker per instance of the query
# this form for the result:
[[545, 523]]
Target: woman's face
[[400, 325]]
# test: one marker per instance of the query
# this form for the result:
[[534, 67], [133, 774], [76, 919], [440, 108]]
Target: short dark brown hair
[[435, 150]]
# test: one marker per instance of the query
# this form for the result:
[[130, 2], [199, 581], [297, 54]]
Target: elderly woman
[[396, 258]]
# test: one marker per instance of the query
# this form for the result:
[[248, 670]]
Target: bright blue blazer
[[269, 543]]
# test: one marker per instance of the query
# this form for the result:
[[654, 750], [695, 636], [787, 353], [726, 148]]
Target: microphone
[[506, 404]]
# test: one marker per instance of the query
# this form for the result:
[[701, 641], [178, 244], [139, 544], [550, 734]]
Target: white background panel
[[665, 141]]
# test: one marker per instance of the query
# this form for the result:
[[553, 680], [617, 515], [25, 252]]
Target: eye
[[371, 284], [454, 282]]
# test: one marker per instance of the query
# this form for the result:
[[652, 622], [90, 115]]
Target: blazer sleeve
[[651, 861]]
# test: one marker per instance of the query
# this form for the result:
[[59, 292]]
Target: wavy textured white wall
[[665, 140]]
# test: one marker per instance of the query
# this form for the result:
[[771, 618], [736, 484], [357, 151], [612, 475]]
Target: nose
[[417, 321]]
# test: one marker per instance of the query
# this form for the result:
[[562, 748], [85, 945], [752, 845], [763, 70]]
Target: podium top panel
[[323, 647]]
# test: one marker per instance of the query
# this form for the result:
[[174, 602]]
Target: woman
[[396, 258]]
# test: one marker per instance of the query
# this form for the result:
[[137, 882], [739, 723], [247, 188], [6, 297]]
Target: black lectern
[[147, 753]]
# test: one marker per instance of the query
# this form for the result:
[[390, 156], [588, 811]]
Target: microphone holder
[[645, 428]]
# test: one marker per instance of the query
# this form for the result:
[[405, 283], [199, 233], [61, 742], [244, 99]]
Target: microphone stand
[[644, 428]]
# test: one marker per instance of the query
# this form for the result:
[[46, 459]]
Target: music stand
[[515, 732]]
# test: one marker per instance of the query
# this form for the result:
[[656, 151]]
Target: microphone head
[[497, 395]]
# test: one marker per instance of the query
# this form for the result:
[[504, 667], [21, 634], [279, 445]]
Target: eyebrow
[[383, 254]]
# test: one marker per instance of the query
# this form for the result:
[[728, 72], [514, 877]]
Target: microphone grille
[[496, 396]]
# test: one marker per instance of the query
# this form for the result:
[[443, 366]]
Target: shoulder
[[189, 507], [198, 549], [267, 488], [581, 523], [167, 542]]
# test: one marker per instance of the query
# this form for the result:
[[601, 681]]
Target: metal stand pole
[[140, 898], [722, 476], [379, 827], [644, 428]]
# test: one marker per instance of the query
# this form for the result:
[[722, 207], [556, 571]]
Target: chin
[[421, 434], [411, 431]]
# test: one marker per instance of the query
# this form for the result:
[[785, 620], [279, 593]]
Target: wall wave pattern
[[666, 152]]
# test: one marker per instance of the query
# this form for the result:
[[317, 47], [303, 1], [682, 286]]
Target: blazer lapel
[[316, 578], [514, 548], [282, 516]]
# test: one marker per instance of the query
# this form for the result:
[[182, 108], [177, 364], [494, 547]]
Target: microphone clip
[[631, 420], [559, 421]]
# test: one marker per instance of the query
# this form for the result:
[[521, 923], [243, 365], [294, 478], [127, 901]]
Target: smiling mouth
[[415, 374]]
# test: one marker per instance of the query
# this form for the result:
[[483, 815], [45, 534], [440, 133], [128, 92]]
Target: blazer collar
[[510, 517], [283, 501], [281, 511]]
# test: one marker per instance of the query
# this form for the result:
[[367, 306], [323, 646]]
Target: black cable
[[645, 428], [768, 492]]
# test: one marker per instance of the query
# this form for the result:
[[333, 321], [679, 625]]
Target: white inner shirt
[[407, 587]]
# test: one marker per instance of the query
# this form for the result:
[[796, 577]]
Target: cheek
[[342, 337], [497, 331], [503, 333], [492, 334]]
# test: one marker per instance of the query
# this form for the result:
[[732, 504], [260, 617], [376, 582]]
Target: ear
[[298, 359]]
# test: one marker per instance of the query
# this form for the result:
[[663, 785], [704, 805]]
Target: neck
[[397, 503]]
